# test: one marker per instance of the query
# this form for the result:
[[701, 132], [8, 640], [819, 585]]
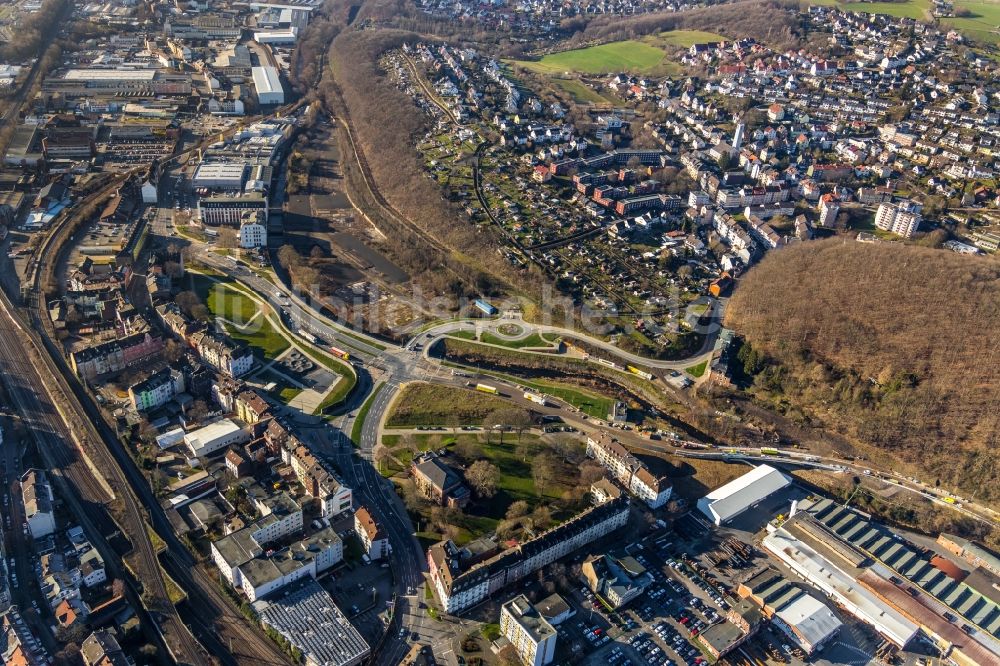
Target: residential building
[[902, 219], [829, 207], [253, 230], [629, 470], [318, 479], [438, 482], [101, 648], [92, 570], [156, 390], [530, 634], [111, 357], [374, 540], [39, 513], [17, 644], [222, 353], [617, 580], [250, 407], [463, 583]]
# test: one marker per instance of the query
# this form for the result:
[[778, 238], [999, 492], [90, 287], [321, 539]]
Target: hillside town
[[204, 463]]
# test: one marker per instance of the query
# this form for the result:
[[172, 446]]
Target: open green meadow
[[629, 55], [581, 93], [648, 55], [981, 26]]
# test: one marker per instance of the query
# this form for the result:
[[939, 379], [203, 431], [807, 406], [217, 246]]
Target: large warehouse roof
[[811, 618], [110, 74], [847, 592], [266, 80], [740, 494]]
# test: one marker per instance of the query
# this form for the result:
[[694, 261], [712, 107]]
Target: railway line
[[218, 623], [45, 401]]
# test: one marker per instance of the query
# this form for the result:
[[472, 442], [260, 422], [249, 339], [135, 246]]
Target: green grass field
[[983, 22], [428, 404], [647, 55], [697, 370], [914, 9], [980, 26], [629, 55], [229, 303], [580, 92], [533, 340]]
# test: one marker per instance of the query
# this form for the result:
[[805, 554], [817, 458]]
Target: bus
[[486, 388]]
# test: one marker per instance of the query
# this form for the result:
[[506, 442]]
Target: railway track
[[65, 439]]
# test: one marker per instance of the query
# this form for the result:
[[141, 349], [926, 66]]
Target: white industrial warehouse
[[268, 85], [840, 586], [725, 503]]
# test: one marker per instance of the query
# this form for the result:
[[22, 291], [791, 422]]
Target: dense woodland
[[896, 347]]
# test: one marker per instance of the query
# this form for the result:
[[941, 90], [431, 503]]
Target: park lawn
[[628, 55], [230, 304], [262, 338], [697, 370], [463, 335], [533, 340], [420, 404]]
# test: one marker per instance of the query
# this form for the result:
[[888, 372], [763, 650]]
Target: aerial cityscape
[[599, 333]]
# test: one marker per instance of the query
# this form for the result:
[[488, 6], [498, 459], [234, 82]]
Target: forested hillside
[[895, 346]]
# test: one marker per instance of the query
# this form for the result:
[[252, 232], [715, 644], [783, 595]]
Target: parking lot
[[657, 628]]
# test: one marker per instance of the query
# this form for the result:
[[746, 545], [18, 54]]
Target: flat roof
[[110, 74], [306, 615], [824, 574], [527, 616], [221, 170], [213, 431], [740, 494], [266, 80], [810, 618]]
